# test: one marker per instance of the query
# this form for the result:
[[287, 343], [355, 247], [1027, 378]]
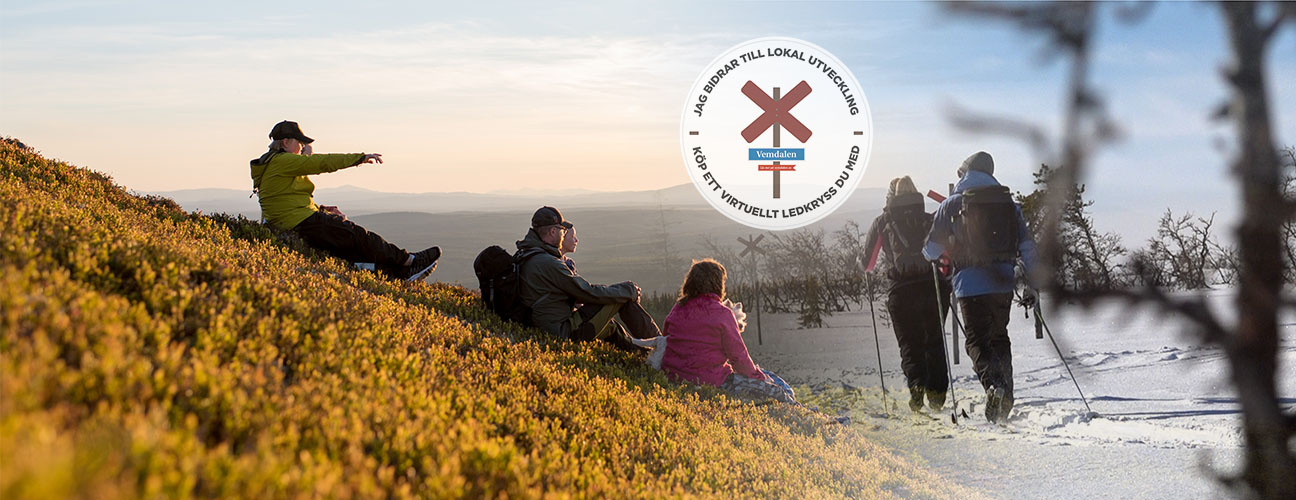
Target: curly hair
[[705, 276]]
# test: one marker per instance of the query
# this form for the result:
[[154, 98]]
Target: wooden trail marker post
[[778, 184], [752, 248]]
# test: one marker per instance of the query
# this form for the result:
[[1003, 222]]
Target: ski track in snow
[[1152, 385]]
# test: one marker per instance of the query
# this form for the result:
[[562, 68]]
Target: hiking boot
[[1005, 405], [994, 401], [935, 399], [915, 399], [424, 263]]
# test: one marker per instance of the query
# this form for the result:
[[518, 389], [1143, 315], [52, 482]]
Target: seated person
[[705, 345], [552, 290], [286, 196], [568, 246]]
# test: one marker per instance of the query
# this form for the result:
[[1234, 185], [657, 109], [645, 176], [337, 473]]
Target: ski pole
[[878, 344], [949, 372], [1040, 318], [1039, 325], [956, 327]]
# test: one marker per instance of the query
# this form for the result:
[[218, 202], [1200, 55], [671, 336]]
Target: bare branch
[[1286, 13], [1133, 12], [971, 121], [1193, 308]]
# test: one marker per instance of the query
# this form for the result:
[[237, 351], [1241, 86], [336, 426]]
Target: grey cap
[[979, 161]]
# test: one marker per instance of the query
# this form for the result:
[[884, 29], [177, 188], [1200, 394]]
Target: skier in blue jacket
[[984, 284]]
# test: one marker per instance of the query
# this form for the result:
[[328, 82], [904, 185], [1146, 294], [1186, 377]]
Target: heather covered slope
[[149, 352]]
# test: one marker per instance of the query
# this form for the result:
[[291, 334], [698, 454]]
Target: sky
[[506, 96]]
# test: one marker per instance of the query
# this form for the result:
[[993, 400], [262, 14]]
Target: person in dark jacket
[[552, 290], [984, 289], [286, 197], [898, 235]]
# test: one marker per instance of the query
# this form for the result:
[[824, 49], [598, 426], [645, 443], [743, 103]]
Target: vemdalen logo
[[776, 133]]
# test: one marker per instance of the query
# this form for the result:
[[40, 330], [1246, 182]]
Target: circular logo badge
[[776, 133]]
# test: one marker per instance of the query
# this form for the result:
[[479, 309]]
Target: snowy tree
[[812, 309], [848, 256], [801, 272], [1185, 254], [1289, 226], [1089, 258]]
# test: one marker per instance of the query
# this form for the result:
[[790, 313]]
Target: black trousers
[[639, 323], [918, 328], [348, 241], [986, 319]]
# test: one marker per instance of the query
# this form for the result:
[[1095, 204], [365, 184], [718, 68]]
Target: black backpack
[[498, 275], [906, 233], [986, 227]]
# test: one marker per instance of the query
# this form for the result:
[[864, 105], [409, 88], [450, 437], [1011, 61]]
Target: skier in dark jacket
[[553, 290], [984, 280], [898, 235]]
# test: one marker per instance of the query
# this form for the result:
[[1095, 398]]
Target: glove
[[1030, 297], [945, 265]]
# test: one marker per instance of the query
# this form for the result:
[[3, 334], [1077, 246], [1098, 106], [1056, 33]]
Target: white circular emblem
[[776, 133]]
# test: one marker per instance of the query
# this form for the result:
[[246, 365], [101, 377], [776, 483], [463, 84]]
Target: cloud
[[426, 66], [446, 90]]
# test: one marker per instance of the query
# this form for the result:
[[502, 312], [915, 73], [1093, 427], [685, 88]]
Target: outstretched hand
[[372, 158]]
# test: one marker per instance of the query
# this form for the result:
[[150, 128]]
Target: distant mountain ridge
[[624, 235], [360, 201]]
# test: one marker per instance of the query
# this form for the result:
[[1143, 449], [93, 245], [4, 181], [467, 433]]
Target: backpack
[[906, 233], [499, 276], [986, 227]]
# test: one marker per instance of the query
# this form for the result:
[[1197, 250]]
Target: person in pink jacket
[[705, 344]]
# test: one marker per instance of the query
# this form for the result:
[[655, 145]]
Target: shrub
[[145, 352]]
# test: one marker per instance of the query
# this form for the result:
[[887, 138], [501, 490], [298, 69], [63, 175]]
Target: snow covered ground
[[1167, 415]]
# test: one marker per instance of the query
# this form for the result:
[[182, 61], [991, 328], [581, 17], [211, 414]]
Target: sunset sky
[[487, 96]]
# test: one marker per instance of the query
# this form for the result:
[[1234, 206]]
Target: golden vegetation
[[148, 352]]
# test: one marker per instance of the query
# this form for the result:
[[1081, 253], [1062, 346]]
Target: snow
[[1167, 418]]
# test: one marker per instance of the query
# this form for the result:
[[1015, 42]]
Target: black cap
[[286, 130], [548, 216]]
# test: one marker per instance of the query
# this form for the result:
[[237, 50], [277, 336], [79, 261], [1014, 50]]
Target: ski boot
[[994, 404], [1005, 405], [915, 399], [935, 399]]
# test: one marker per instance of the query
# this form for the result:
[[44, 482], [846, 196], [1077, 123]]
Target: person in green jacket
[[564, 304], [285, 193]]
